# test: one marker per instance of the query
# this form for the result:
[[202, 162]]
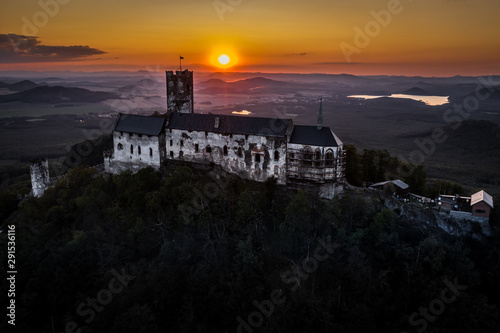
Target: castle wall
[[147, 150], [249, 156], [39, 171]]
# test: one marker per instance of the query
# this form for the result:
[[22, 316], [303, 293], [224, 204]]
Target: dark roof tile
[[310, 135], [140, 124], [229, 124]]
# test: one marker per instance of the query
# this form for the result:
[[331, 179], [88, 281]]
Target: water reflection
[[429, 100]]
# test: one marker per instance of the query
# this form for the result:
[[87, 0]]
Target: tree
[[417, 179], [297, 222], [353, 172]]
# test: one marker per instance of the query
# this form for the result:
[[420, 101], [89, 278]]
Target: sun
[[224, 59]]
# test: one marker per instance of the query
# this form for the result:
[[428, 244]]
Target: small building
[[400, 186], [482, 204]]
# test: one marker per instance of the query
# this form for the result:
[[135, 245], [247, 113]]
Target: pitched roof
[[310, 135], [399, 183], [146, 125], [481, 196], [225, 124]]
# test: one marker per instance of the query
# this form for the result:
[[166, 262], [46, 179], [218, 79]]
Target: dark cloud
[[297, 54], [22, 49]]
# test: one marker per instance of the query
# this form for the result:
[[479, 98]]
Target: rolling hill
[[256, 85], [57, 94], [19, 86]]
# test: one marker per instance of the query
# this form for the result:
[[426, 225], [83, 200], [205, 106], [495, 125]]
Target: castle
[[300, 157], [309, 157]]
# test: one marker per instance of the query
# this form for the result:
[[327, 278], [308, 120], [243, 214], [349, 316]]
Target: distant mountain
[[415, 91], [57, 94], [254, 85], [144, 86], [22, 85], [52, 78]]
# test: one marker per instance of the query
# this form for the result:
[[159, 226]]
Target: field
[[24, 110]]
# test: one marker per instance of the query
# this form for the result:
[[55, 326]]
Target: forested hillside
[[196, 251]]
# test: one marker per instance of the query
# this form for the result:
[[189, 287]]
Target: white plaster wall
[[123, 159], [245, 166]]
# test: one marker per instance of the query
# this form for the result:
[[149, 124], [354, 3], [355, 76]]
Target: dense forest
[[195, 250]]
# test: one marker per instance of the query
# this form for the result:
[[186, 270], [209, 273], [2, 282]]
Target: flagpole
[[180, 62]]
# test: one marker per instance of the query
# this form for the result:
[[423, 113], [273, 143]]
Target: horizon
[[19, 73], [428, 38]]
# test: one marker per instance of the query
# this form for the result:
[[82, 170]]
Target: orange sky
[[419, 37]]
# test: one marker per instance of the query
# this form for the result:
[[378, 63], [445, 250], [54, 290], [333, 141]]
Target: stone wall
[[249, 156], [180, 91], [39, 171]]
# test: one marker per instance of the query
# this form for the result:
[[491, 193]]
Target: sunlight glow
[[224, 59]]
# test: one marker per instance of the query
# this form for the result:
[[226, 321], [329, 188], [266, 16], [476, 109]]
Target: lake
[[429, 100]]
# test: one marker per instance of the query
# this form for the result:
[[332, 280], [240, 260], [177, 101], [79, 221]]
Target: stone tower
[[39, 170], [180, 91]]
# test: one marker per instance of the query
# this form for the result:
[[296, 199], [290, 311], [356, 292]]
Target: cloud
[[25, 49], [296, 54]]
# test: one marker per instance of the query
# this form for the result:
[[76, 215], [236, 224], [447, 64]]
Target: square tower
[[180, 91]]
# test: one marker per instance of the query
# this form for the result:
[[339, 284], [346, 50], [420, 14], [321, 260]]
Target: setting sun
[[224, 59]]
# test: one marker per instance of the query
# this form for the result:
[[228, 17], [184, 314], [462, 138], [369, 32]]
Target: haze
[[420, 37]]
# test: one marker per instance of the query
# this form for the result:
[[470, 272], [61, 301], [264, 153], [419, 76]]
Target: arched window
[[329, 158], [307, 156], [257, 158], [208, 150], [276, 155], [120, 146], [317, 157], [225, 150], [139, 150], [131, 149], [240, 152], [150, 152]]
